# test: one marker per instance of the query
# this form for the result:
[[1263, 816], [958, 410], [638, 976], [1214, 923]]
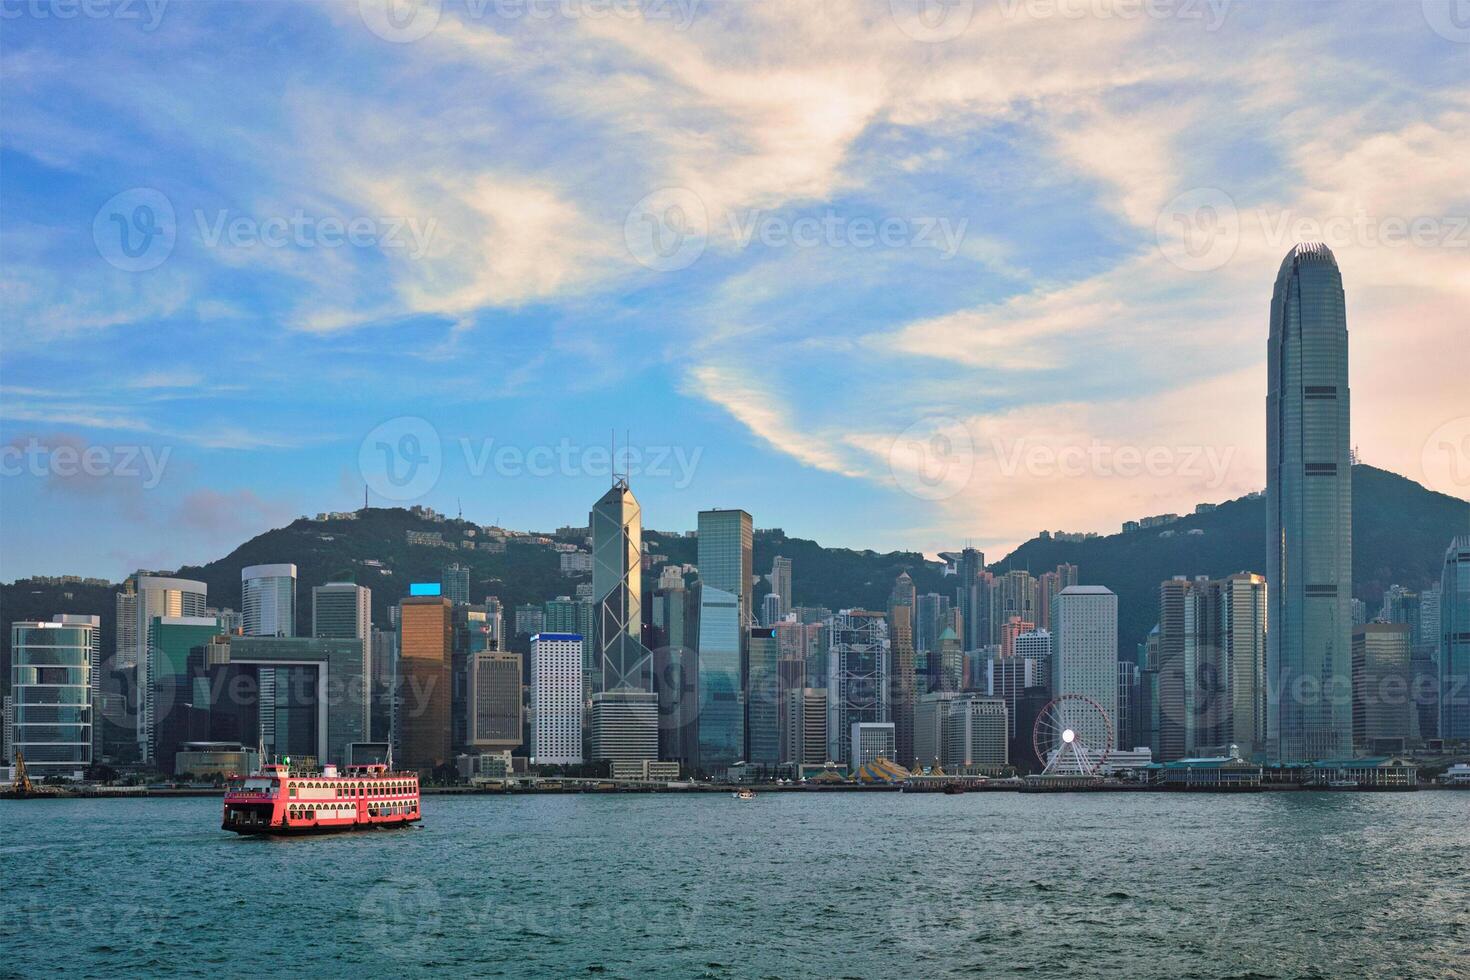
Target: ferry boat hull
[[276, 801]]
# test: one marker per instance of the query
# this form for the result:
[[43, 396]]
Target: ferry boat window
[[293, 792]]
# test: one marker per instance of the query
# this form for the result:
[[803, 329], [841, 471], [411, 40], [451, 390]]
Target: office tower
[[1009, 676], [178, 697], [1147, 724], [976, 732], [720, 684], [972, 598], [948, 666], [902, 683], [229, 620], [1424, 664], [1085, 658], [1382, 716], [1023, 754], [671, 634], [470, 635], [930, 714], [382, 683], [52, 694], [1126, 736], [268, 600], [1013, 627], [781, 584], [567, 615], [804, 734], [1401, 605], [771, 611], [931, 616], [454, 583], [1211, 648], [1178, 667], [302, 696], [858, 666], [1047, 587], [762, 698], [622, 661], [1309, 503], [1237, 638], [1454, 641], [425, 652], [1036, 645], [724, 559], [1359, 611], [624, 726], [801, 663], [530, 619], [344, 610], [495, 616], [1015, 598], [868, 742], [154, 596], [556, 699]]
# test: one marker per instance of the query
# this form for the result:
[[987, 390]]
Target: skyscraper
[[622, 661], [154, 596], [425, 644], [556, 698], [781, 583], [1454, 641], [1382, 716], [724, 560], [1309, 497], [1085, 658], [454, 583], [763, 698], [858, 667], [52, 693], [902, 682], [344, 610]]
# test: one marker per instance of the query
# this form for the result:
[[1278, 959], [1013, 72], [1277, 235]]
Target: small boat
[[744, 794]]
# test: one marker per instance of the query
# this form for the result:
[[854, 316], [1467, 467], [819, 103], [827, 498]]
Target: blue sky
[[884, 277]]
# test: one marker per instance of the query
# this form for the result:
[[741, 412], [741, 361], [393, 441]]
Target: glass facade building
[[51, 680], [1454, 641], [720, 691], [622, 662], [268, 600], [1309, 501]]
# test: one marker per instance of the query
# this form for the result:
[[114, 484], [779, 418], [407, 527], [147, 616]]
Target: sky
[[904, 274]]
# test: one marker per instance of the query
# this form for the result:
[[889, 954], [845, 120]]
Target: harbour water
[[861, 885]]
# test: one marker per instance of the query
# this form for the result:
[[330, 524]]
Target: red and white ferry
[[277, 801]]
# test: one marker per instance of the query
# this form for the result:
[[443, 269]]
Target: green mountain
[[1400, 532]]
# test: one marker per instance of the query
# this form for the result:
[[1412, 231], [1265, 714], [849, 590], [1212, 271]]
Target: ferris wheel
[[1072, 736]]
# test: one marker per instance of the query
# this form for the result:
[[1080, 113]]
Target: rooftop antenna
[[613, 459]]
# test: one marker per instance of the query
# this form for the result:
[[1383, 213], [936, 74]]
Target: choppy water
[[870, 885]]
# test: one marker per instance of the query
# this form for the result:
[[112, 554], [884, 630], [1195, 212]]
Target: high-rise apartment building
[[780, 579], [1309, 493]]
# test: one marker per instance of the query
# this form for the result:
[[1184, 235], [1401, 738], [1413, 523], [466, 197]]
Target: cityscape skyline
[[1110, 230]]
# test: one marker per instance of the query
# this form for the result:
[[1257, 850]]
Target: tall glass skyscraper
[[1309, 495], [1454, 641], [622, 661], [725, 566], [268, 599], [52, 691]]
